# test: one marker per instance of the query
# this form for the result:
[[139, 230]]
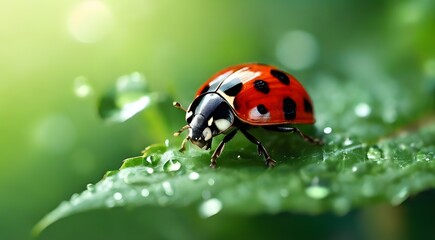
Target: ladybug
[[244, 96]]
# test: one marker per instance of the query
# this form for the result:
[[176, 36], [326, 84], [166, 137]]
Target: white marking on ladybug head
[[256, 115], [229, 99], [189, 114], [207, 134], [210, 121], [222, 124]]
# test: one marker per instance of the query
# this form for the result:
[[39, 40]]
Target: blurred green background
[[53, 141]]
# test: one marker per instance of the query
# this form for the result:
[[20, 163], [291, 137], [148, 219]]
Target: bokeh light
[[90, 21], [297, 50], [82, 87]]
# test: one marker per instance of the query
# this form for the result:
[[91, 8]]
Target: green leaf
[[342, 174], [377, 150]]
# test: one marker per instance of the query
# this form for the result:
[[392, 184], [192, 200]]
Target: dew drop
[[362, 110], [210, 207], [167, 188], [140, 175], [374, 154], [145, 192], [194, 176], [172, 166], [354, 169], [347, 142], [106, 185], [126, 99], [75, 199], [117, 196], [149, 160], [423, 156], [327, 130], [90, 187], [317, 192], [167, 142]]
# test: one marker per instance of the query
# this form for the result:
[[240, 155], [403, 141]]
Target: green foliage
[[341, 175]]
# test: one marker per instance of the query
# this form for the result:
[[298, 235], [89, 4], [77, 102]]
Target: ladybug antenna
[[177, 133], [178, 105]]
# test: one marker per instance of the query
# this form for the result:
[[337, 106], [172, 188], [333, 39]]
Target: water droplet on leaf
[[375, 154], [347, 142], [362, 110], [167, 188], [145, 192], [194, 176], [317, 192], [129, 97], [210, 207], [327, 130], [117, 196], [172, 165], [90, 187]]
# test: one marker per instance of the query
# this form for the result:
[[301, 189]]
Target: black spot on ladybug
[[281, 76], [308, 108], [289, 108], [261, 86], [236, 105], [262, 109], [205, 89], [232, 88]]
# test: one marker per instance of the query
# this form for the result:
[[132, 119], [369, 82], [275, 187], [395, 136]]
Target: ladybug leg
[[260, 148], [220, 147], [295, 130], [183, 144]]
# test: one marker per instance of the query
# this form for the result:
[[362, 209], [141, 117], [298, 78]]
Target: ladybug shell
[[262, 95]]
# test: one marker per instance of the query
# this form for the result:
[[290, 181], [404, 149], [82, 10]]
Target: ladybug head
[[208, 116]]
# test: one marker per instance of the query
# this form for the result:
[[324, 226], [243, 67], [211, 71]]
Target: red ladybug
[[244, 96]]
